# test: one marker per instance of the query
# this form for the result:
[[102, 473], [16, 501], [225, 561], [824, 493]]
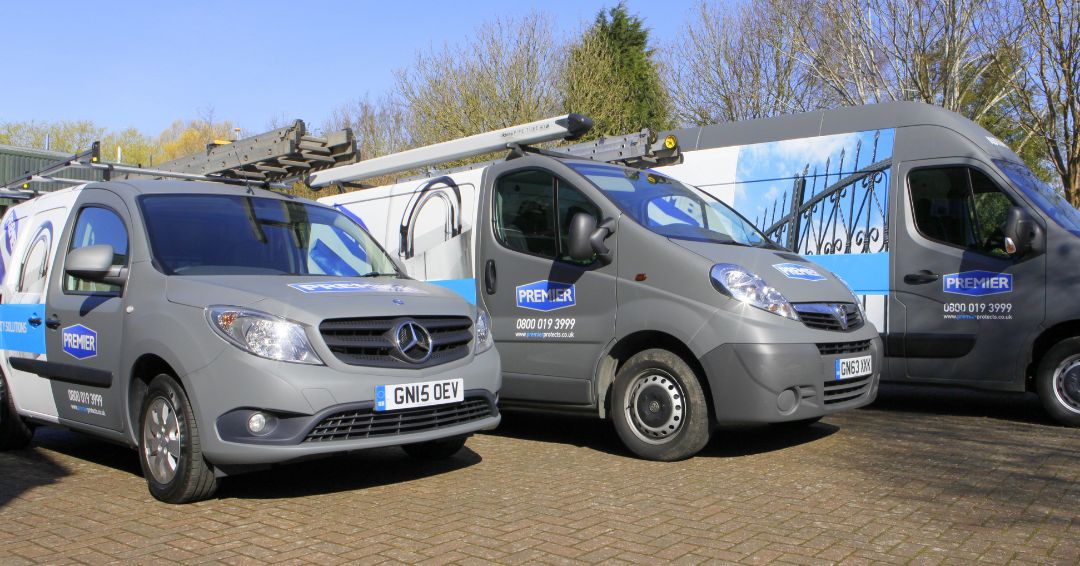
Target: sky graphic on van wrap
[[765, 173]]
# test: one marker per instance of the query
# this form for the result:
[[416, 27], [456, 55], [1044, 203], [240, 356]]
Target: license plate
[[854, 367], [424, 394]]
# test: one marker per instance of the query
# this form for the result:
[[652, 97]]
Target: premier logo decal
[[80, 342], [977, 283], [545, 295], [353, 287], [799, 271]]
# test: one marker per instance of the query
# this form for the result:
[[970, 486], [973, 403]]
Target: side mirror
[[1021, 232], [95, 263], [586, 238]]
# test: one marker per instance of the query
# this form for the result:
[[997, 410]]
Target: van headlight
[[262, 334], [484, 339], [744, 286]]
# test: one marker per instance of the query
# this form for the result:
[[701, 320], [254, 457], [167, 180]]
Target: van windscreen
[[670, 208], [1043, 195], [203, 234]]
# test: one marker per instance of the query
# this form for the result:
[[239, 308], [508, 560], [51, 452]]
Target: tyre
[[169, 449], [14, 433], [1058, 382], [440, 449], [659, 408], [801, 423]]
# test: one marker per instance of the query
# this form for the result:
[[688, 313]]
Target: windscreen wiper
[[377, 274]]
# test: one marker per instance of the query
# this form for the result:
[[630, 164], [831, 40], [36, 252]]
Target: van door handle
[[921, 277], [52, 322], [34, 321], [490, 282]]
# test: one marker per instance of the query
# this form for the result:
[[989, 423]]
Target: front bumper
[[767, 383], [307, 404]]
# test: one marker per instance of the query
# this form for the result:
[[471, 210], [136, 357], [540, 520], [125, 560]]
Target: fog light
[[787, 401], [256, 423]]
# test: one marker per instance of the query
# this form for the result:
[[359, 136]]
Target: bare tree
[[1048, 99], [504, 75], [933, 51], [737, 61], [378, 124]]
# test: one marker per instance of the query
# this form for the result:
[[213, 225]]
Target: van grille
[[847, 389], [369, 341], [832, 349], [367, 423], [823, 316]]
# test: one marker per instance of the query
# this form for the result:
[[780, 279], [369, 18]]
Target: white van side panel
[[29, 229], [427, 225]]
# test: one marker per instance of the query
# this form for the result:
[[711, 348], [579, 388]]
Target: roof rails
[[268, 160], [640, 149], [277, 155]]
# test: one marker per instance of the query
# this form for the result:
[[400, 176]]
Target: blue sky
[[144, 64]]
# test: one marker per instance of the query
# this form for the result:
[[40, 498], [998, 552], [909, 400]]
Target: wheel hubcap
[[655, 406], [1067, 383], [161, 440]]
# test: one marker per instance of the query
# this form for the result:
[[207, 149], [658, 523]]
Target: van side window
[[572, 202], [35, 267], [525, 212], [959, 206], [96, 226]]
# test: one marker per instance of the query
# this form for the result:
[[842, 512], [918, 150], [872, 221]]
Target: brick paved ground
[[925, 476]]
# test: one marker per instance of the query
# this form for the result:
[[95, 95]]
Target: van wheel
[[169, 449], [440, 449], [1058, 382], [660, 410], [14, 433]]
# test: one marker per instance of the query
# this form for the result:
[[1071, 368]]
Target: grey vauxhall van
[[623, 293], [220, 329]]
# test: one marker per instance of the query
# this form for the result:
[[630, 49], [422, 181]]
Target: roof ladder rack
[[277, 155], [91, 159], [569, 126], [639, 150]]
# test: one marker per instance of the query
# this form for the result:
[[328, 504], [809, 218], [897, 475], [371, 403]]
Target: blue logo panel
[[799, 271], [977, 283], [80, 342], [544, 295], [16, 332]]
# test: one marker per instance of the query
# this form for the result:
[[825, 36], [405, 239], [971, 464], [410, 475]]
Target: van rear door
[[967, 305]]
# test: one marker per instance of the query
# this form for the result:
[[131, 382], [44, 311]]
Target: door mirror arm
[[597, 237]]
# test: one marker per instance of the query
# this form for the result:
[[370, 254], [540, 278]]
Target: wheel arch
[[143, 371], [1042, 344], [625, 348]]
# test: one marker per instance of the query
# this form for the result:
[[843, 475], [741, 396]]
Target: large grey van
[[221, 329], [964, 259]]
